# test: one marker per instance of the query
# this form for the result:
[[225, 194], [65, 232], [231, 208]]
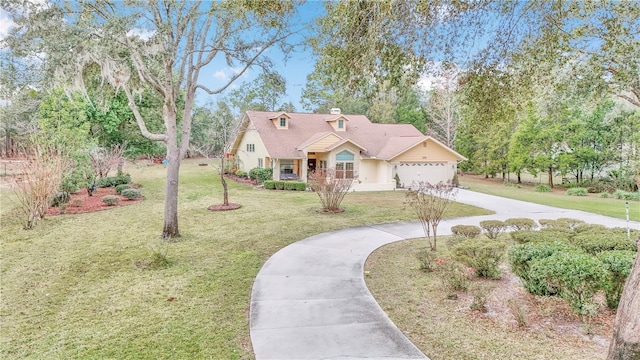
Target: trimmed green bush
[[61, 197], [576, 277], [577, 191], [493, 228], [467, 231], [270, 184], [295, 185], [619, 264], [484, 256], [594, 243], [527, 236], [570, 222], [110, 181], [521, 224], [564, 223], [121, 187], [110, 200], [542, 188], [279, 185], [520, 258], [627, 195], [241, 174], [261, 174], [131, 194], [581, 228], [604, 195]]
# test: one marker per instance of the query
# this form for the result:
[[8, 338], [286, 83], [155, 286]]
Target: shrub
[[77, 202], [61, 197], [484, 256], [604, 195], [270, 184], [261, 174], [556, 224], [480, 294], [427, 260], [520, 258], [619, 264], [131, 194], [241, 174], [594, 243], [467, 231], [577, 191], [454, 275], [493, 228], [542, 188], [619, 194], [279, 185], [295, 185], [553, 234], [570, 222], [526, 236], [110, 200], [580, 228], [521, 224], [518, 311], [110, 181], [577, 277], [121, 187]]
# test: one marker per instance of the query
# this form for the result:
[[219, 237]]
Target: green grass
[[448, 329], [84, 286], [593, 203]]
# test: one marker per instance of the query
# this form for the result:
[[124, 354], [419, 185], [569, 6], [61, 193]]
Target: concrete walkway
[[310, 300]]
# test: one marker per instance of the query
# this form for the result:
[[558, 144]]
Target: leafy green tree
[[159, 45], [262, 94]]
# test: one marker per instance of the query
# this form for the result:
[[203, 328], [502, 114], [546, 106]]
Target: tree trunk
[[551, 178], [170, 229], [519, 179], [225, 192], [625, 344]]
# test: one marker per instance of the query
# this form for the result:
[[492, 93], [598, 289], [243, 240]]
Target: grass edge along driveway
[[77, 286]]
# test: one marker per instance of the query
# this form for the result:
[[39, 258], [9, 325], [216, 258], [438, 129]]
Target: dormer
[[338, 123], [281, 121]]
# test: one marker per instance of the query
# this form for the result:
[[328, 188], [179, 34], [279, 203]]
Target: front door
[[311, 165]]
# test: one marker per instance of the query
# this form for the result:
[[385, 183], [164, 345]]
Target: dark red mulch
[[221, 207], [91, 203]]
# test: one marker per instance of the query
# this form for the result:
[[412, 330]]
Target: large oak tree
[[165, 45]]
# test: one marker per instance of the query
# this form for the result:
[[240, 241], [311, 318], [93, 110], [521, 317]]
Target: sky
[[295, 69]]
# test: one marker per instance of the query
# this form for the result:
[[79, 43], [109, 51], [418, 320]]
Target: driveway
[[310, 300]]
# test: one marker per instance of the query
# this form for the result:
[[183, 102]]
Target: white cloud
[[6, 23], [143, 34], [220, 75]]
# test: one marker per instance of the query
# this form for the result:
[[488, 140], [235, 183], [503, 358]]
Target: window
[[283, 122], [260, 163], [251, 147], [344, 165], [340, 124], [286, 166]]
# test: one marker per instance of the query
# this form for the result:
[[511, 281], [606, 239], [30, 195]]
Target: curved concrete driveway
[[310, 300]]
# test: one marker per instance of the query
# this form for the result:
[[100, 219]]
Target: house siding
[[247, 160], [432, 152], [322, 144]]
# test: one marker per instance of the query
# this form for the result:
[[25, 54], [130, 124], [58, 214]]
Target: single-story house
[[295, 144]]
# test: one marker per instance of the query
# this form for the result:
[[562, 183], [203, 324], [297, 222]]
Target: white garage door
[[432, 173]]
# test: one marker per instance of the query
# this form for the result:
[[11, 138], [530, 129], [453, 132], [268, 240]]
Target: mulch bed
[[91, 203], [221, 207]]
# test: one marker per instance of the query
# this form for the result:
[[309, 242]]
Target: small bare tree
[[429, 202], [41, 177], [330, 189], [103, 159]]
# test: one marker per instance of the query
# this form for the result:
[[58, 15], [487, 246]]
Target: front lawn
[[591, 203], [85, 286]]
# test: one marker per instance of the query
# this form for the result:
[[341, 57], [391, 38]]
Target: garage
[[428, 172]]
